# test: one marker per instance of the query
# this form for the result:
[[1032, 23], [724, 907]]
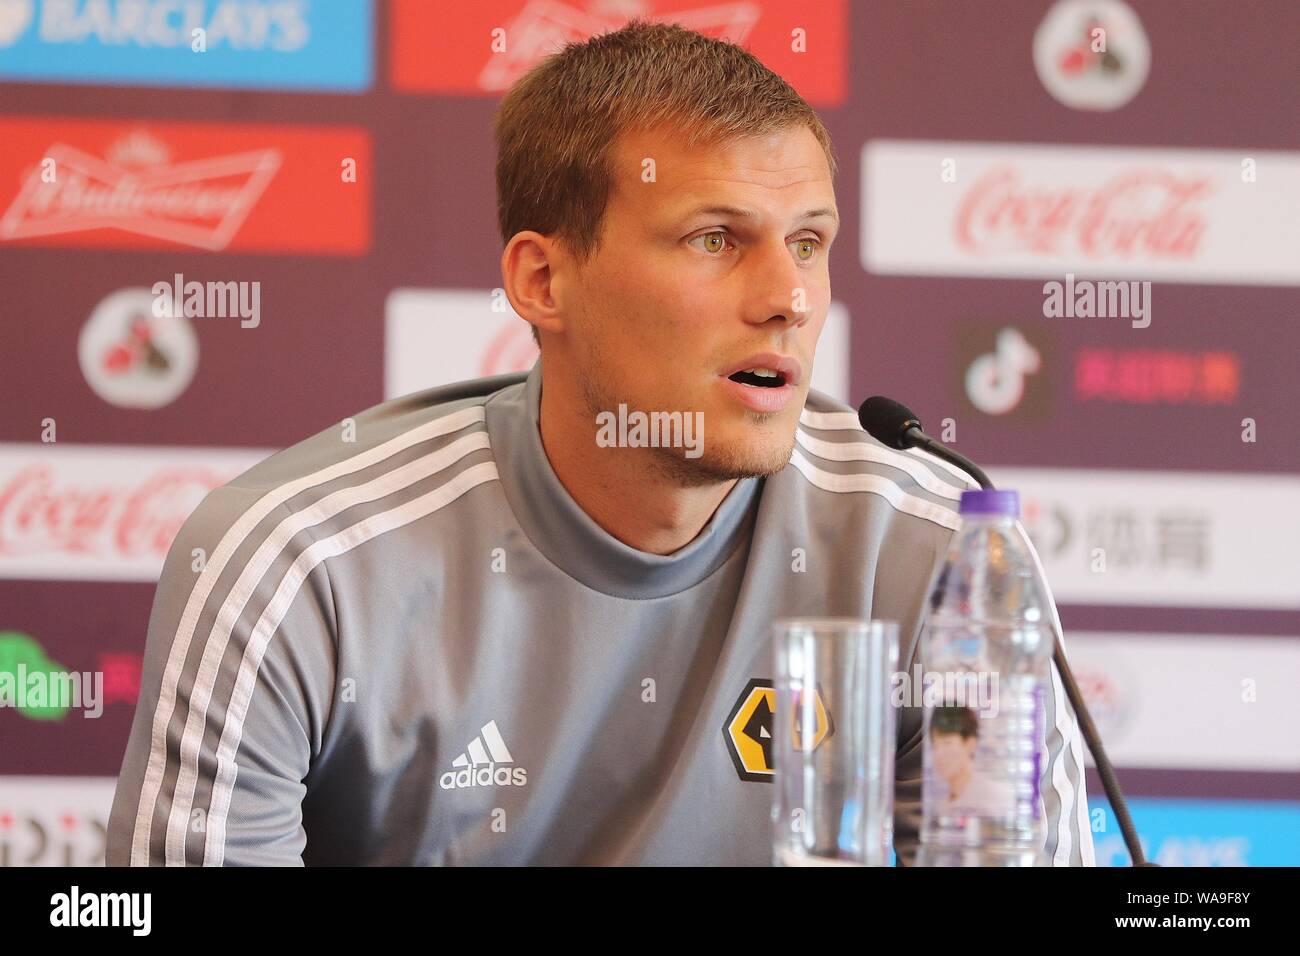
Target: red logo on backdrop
[[1157, 376], [121, 677], [1109, 693], [206, 186], [40, 514], [483, 48], [512, 349], [1138, 214]]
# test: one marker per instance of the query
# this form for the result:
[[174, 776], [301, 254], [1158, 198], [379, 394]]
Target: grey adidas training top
[[415, 648]]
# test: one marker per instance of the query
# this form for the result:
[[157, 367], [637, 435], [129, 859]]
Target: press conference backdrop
[[1002, 172]]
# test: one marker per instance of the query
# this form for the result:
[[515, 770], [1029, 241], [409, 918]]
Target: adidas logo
[[479, 763]]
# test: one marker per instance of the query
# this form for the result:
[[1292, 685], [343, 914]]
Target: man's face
[[952, 754], [682, 294]]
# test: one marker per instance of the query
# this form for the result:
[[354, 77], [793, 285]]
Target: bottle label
[[984, 761]]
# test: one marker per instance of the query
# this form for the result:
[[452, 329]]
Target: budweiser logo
[[200, 203], [40, 515], [1136, 215]]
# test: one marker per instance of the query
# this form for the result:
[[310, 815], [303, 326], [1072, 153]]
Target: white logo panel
[[1024, 211], [1163, 538]]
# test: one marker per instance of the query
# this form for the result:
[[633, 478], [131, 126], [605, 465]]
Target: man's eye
[[806, 248], [715, 242]]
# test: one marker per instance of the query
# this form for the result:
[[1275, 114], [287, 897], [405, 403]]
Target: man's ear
[[528, 274]]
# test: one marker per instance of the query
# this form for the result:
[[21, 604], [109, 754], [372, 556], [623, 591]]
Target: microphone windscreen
[[886, 420]]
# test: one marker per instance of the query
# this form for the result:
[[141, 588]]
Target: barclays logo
[[15, 17], [260, 44]]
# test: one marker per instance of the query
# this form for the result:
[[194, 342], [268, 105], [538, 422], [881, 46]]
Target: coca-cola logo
[[1139, 214], [511, 349], [40, 513]]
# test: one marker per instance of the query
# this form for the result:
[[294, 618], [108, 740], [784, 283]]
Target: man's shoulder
[[436, 432], [834, 454], [382, 431]]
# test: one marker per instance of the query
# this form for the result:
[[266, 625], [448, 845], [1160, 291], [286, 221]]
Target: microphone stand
[[913, 434]]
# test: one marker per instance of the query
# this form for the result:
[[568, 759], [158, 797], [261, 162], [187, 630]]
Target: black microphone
[[894, 424]]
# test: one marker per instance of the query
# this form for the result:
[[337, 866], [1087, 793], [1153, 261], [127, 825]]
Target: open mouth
[[759, 377]]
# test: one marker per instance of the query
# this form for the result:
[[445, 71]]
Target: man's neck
[[639, 505]]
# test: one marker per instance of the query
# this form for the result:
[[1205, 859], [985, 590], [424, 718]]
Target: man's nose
[[779, 287]]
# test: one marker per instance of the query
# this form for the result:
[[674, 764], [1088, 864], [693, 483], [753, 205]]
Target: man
[[954, 738], [494, 628]]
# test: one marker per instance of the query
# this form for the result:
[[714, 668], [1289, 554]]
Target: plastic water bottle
[[985, 648]]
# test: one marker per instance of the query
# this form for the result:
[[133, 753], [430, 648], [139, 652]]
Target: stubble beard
[[716, 465]]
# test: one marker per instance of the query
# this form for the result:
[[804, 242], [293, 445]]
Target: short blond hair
[[557, 126]]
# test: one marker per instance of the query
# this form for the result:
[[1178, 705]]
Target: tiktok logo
[[995, 381]]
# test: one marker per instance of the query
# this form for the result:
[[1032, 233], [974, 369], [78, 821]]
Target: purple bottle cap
[[991, 502]]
